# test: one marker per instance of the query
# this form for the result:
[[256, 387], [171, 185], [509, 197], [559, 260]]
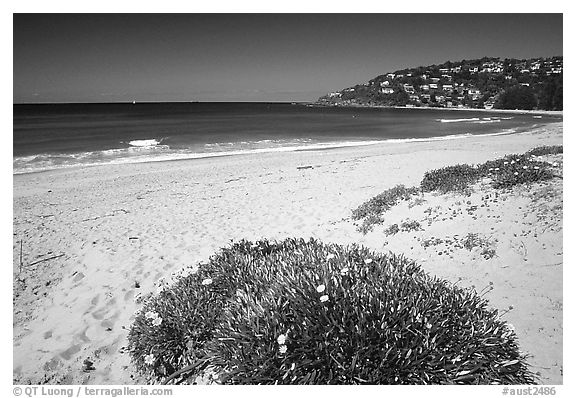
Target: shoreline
[[311, 148], [122, 229]]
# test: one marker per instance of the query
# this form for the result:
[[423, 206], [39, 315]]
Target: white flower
[[368, 261], [320, 288], [524, 167], [490, 169], [457, 359], [515, 173], [324, 298], [330, 256], [151, 315], [428, 326], [157, 321], [149, 359], [344, 271], [497, 168], [207, 282], [293, 366], [512, 162], [536, 167], [281, 339], [555, 164], [283, 349]]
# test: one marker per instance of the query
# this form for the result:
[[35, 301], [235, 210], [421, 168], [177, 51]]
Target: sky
[[250, 57]]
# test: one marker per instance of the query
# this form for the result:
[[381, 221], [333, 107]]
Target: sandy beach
[[89, 242]]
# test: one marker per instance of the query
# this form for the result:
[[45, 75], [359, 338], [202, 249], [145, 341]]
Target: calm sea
[[50, 136]]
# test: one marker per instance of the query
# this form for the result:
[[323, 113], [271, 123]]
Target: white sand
[[118, 225]]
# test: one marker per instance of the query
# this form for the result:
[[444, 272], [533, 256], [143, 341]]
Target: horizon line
[[158, 102]]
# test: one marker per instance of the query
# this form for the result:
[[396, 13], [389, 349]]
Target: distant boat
[[133, 102]]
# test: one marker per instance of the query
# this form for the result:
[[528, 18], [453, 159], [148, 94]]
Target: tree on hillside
[[551, 96], [517, 97]]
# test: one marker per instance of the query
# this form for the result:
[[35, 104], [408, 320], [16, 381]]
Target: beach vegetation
[[369, 222], [418, 201], [392, 230], [450, 178], [546, 150], [485, 245], [505, 172], [410, 225], [304, 312], [371, 211]]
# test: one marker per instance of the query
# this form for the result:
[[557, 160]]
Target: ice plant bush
[[546, 150], [451, 178], [384, 201], [304, 312]]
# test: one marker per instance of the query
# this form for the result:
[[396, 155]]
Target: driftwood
[[46, 259], [20, 269], [235, 179], [107, 215]]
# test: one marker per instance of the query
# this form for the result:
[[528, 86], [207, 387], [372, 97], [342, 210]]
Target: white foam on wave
[[473, 119], [144, 143], [488, 121]]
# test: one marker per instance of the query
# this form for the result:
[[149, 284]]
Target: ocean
[[53, 136]]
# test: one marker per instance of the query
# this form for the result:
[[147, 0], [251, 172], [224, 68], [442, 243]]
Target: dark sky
[[241, 57]]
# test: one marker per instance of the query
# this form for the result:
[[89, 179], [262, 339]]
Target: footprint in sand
[[109, 322], [70, 351], [100, 313], [129, 296]]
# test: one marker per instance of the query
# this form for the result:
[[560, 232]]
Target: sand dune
[[120, 230]]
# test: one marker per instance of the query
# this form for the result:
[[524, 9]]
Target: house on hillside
[[408, 88], [387, 90]]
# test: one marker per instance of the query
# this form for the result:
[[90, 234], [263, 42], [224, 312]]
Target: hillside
[[484, 83]]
